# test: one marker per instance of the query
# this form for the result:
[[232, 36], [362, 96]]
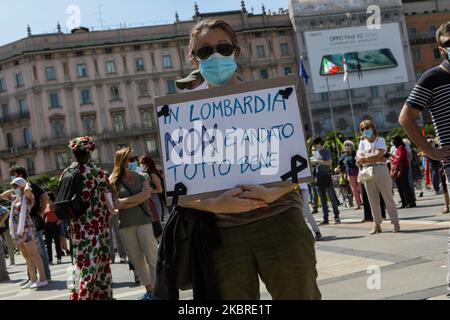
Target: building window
[[19, 80], [79, 53], [118, 122], [287, 71], [23, 106], [58, 128], [85, 96], [436, 53], [264, 74], [260, 51], [412, 32], [89, 126], [324, 96], [54, 100], [378, 117], [81, 71], [151, 146], [30, 167], [137, 47], [26, 136], [139, 62], [171, 87], [417, 55], [115, 93], [143, 89], [62, 161], [3, 85], [108, 50], [284, 47], [9, 140], [257, 35], [4, 111], [374, 91], [51, 73], [167, 61], [433, 29], [147, 119], [328, 124], [282, 33], [111, 67]]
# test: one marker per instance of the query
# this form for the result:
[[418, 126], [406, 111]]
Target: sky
[[43, 15]]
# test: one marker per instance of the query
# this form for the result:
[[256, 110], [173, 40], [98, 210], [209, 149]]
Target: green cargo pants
[[279, 249]]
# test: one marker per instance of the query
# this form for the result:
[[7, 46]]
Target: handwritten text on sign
[[217, 143]]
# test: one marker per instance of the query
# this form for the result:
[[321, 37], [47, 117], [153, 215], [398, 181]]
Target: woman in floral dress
[[89, 234]]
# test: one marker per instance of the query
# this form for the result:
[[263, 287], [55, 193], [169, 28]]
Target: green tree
[[47, 182]]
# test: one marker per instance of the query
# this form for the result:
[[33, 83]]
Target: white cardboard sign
[[215, 139]]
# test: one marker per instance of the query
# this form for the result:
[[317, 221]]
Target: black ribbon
[[180, 190], [298, 164], [286, 93], [165, 111]]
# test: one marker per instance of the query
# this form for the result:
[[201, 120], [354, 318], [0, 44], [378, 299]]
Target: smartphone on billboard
[[358, 61]]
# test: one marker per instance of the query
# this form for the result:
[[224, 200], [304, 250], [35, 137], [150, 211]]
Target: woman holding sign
[[262, 229]]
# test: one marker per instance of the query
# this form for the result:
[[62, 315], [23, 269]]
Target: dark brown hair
[[211, 24], [149, 163], [443, 30]]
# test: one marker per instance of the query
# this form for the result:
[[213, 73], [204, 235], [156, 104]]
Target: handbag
[[365, 174], [157, 226]]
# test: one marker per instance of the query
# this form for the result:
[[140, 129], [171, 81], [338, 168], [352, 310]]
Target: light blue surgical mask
[[17, 192], [368, 133], [13, 178], [218, 69], [132, 166]]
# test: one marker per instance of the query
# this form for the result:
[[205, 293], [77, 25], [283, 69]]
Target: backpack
[[69, 202]]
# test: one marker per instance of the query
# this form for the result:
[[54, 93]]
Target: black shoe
[[318, 236], [337, 221], [412, 205], [315, 211], [421, 195], [324, 223]]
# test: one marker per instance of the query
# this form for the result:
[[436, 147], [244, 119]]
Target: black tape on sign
[[298, 164], [165, 111], [180, 190], [286, 93]]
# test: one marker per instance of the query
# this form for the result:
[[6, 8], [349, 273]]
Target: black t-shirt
[[35, 212]]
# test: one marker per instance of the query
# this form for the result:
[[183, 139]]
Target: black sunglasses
[[446, 44], [364, 129], [224, 49], [134, 159]]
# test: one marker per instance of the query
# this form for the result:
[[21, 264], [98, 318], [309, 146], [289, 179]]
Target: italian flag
[[329, 67]]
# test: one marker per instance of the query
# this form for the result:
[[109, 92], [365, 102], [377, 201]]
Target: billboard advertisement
[[373, 57]]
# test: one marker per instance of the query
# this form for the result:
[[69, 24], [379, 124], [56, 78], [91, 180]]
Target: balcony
[[422, 38], [15, 117], [18, 151], [397, 96], [55, 141]]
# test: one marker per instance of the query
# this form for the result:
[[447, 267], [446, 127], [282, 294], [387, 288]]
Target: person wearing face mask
[[23, 231], [371, 156], [262, 231], [400, 172], [135, 220]]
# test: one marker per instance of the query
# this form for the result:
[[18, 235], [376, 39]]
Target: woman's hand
[[230, 202], [258, 192]]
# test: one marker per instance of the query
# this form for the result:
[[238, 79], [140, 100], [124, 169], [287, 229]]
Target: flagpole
[[332, 118], [308, 104], [351, 108]]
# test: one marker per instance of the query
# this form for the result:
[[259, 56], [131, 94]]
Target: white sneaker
[[39, 284], [27, 285]]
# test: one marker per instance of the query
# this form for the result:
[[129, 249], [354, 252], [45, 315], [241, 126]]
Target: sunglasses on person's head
[[224, 49], [134, 159]]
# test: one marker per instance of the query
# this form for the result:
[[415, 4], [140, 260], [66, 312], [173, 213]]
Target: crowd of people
[[220, 246]]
